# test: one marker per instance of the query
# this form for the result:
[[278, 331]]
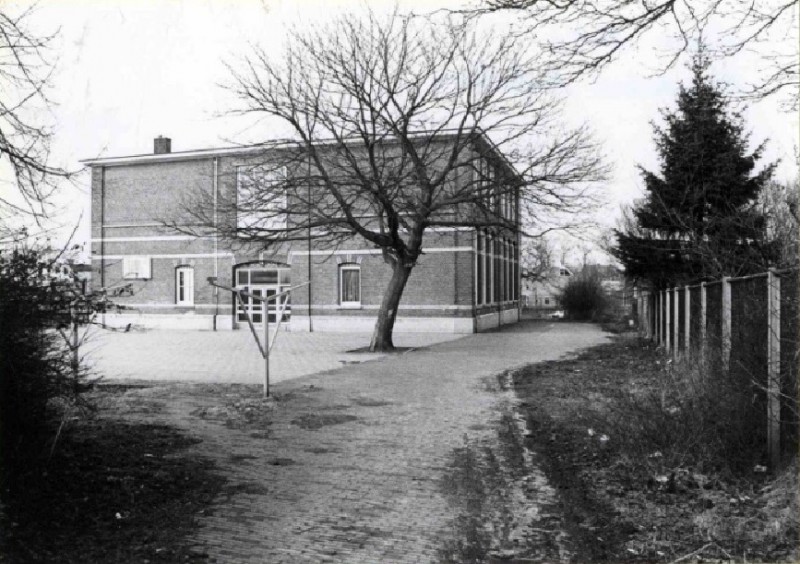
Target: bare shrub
[[583, 298], [774, 521], [689, 415]]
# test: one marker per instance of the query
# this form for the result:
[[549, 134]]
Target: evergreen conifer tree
[[699, 218]]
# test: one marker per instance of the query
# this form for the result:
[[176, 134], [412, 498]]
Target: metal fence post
[[702, 321], [265, 306], [639, 324], [662, 297], [687, 321], [774, 368], [667, 319], [676, 326], [726, 323], [656, 308]]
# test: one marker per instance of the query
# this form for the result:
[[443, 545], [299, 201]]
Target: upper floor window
[[184, 285], [479, 267], [350, 285], [136, 267], [261, 197]]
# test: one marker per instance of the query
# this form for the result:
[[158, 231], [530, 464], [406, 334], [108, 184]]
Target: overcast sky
[[131, 70]]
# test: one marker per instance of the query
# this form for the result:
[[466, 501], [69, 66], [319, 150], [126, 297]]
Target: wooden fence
[[746, 325]]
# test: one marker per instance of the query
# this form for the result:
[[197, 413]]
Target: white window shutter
[[136, 267]]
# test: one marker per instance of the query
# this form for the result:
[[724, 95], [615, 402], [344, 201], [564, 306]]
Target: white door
[[261, 281]]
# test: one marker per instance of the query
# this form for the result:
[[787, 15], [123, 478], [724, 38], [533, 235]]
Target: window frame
[[479, 267], [489, 269], [350, 267], [133, 264], [188, 289], [270, 177]]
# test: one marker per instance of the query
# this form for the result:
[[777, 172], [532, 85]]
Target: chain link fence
[[744, 329]]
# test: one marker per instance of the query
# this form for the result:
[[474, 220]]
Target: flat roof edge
[[246, 149], [174, 156]]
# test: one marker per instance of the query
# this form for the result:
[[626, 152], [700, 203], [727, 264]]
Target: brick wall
[[131, 201], [441, 279]]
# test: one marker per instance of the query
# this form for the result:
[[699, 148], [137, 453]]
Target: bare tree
[[26, 177], [580, 38], [536, 259], [400, 125], [779, 205]]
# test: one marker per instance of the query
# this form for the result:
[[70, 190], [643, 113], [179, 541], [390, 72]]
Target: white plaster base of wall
[[487, 321], [365, 324], [321, 323], [510, 316], [496, 318], [166, 321]]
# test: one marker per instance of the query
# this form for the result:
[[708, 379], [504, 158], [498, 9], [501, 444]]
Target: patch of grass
[[369, 402], [112, 492], [767, 517], [241, 412], [655, 463], [314, 421]]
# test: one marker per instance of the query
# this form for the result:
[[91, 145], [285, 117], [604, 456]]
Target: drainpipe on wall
[[518, 258], [475, 283], [103, 236], [216, 244], [308, 182], [455, 268]]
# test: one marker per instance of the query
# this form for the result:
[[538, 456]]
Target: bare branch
[[578, 39], [25, 76]]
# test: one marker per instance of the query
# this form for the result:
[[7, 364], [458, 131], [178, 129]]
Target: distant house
[[543, 294], [619, 290]]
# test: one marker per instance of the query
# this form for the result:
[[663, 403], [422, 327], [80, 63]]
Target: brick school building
[[467, 280]]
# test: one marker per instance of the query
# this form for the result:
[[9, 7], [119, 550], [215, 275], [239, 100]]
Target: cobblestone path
[[411, 458], [229, 356]]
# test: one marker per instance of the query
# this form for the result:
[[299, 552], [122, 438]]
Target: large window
[[350, 285], [503, 270], [136, 267], [516, 270], [497, 271], [479, 281], [261, 197], [489, 270], [184, 286], [509, 272]]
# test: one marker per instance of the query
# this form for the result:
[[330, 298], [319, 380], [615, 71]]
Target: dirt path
[[413, 458]]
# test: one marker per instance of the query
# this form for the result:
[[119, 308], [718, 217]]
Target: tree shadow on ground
[[112, 492]]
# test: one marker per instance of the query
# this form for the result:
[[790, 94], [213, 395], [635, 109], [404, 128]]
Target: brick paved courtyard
[[230, 356], [368, 463]]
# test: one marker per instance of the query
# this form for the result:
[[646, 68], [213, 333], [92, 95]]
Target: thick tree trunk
[[384, 326]]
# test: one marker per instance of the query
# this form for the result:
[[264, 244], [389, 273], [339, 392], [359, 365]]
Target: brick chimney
[[162, 145]]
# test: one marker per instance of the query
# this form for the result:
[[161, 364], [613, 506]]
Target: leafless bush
[[774, 522], [687, 416]]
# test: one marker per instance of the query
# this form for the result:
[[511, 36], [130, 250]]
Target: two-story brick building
[[467, 280]]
